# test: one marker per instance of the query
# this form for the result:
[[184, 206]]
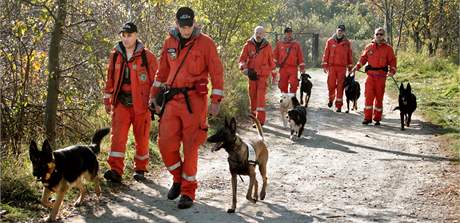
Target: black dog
[[297, 118], [305, 87], [64, 168], [352, 92], [407, 104]]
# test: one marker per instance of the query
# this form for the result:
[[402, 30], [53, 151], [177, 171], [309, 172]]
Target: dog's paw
[[262, 195], [231, 210], [252, 200]]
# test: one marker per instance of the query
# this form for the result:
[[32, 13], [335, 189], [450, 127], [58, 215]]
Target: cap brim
[[126, 31], [185, 22]]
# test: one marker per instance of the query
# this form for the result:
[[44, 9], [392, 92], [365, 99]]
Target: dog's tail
[[397, 108], [97, 138], [258, 125]]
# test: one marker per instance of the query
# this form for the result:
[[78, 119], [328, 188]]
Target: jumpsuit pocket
[[195, 62], [202, 134]]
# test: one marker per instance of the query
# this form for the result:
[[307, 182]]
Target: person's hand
[[214, 109], [245, 72], [389, 74], [325, 69], [354, 69], [108, 108], [153, 106]]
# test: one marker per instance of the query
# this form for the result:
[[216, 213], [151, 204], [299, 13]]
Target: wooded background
[[54, 53]]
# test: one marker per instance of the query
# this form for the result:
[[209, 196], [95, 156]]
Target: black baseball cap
[[185, 16], [288, 30], [129, 27], [341, 26]]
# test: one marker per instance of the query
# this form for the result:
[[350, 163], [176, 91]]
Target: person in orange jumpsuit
[[381, 62], [256, 62], [131, 72], [337, 59], [288, 56], [188, 59]]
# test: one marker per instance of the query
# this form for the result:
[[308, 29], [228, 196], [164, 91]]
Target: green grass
[[436, 83]]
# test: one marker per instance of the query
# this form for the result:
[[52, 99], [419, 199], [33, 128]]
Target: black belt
[[171, 92], [369, 67]]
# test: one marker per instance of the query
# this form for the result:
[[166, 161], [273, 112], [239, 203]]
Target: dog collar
[[51, 167]]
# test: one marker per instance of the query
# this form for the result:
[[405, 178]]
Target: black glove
[[252, 75]]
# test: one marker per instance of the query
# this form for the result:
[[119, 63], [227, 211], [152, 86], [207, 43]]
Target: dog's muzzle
[[217, 146]]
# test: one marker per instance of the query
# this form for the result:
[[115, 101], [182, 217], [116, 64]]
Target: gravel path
[[340, 171]]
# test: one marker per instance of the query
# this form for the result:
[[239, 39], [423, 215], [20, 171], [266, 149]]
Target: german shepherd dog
[[407, 104], [305, 87], [243, 156], [297, 119], [64, 168], [352, 92]]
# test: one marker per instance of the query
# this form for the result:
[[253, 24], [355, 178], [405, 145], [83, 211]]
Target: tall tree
[[54, 71]]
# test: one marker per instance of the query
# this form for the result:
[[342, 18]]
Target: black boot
[[139, 175], [185, 202], [377, 123], [174, 191], [365, 122], [329, 104], [112, 176]]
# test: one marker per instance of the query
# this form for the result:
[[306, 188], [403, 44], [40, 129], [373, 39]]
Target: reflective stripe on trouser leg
[[169, 138], [369, 94], [252, 91], [331, 83], [341, 72], [261, 91], [379, 93], [193, 135], [284, 81], [141, 128], [121, 121]]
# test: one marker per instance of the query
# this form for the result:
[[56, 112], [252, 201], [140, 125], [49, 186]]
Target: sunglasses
[[379, 34]]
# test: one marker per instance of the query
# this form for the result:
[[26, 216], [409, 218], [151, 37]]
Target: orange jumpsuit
[[289, 57], [261, 61], [379, 57], [336, 59], [138, 113], [177, 124]]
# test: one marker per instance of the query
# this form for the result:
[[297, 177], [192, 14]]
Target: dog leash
[[394, 80]]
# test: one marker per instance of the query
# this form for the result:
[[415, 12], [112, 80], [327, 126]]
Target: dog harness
[[251, 154]]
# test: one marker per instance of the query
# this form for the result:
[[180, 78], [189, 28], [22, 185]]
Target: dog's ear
[[33, 151], [232, 125], [46, 150], [408, 88], [401, 87], [308, 75]]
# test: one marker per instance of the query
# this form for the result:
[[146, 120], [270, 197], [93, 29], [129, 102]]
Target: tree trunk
[[401, 26], [388, 21], [54, 73]]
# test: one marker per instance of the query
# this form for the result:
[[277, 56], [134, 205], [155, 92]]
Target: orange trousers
[[257, 91], [375, 89], [335, 79], [178, 126], [288, 78], [122, 118]]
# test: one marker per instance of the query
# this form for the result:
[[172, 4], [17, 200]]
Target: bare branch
[[41, 5]]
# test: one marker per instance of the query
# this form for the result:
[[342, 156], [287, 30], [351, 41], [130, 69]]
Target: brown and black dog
[[243, 156], [64, 168]]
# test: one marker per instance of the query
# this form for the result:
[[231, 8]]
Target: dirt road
[[340, 171]]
